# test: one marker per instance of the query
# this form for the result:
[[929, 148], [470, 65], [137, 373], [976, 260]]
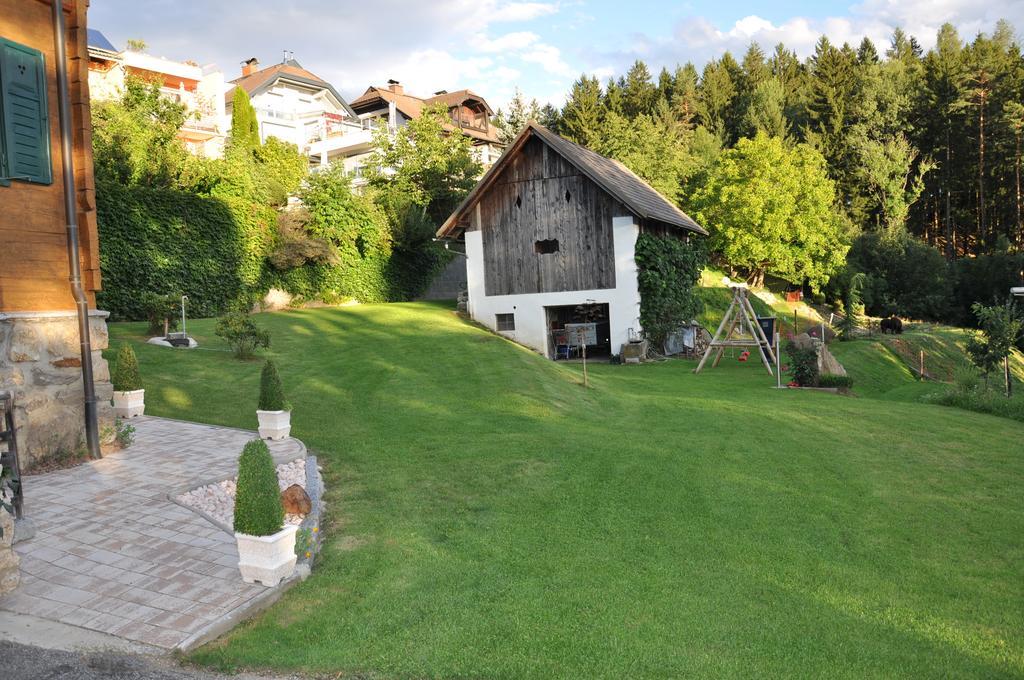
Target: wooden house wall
[[33, 246], [539, 179]]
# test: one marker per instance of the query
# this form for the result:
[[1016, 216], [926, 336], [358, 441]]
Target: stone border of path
[[314, 488]]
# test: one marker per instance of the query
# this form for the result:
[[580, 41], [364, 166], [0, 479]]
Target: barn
[[549, 235]]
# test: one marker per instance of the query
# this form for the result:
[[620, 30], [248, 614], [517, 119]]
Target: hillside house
[[295, 105], [392, 107], [41, 359], [199, 88], [550, 234]]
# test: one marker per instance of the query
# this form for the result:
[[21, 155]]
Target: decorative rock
[[218, 500], [296, 501]]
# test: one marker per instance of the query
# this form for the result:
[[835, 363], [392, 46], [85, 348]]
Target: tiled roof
[[259, 81], [412, 106]]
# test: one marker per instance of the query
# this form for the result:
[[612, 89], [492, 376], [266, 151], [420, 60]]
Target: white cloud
[[504, 43], [550, 59], [521, 11]]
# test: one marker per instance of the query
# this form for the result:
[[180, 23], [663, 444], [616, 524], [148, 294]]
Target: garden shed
[[550, 234]]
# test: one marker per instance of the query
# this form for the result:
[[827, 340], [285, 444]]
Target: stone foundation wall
[[9, 574], [40, 361]]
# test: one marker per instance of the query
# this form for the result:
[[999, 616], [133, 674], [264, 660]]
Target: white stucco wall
[[531, 321]]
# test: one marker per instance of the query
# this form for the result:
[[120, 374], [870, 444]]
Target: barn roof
[[612, 176]]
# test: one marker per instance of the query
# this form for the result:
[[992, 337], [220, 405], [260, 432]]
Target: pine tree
[[551, 118], [583, 111], [766, 110], [639, 94], [614, 95], [943, 77], [866, 52], [715, 97], [1013, 118], [519, 114]]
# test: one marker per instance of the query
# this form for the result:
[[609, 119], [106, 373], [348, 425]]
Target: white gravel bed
[[218, 499]]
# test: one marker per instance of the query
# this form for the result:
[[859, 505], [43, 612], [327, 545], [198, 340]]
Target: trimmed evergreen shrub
[[126, 376], [258, 509], [271, 390]]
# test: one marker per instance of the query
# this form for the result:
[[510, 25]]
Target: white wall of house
[[530, 317], [293, 113], [205, 128]]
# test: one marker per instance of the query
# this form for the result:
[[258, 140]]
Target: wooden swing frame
[[740, 316]]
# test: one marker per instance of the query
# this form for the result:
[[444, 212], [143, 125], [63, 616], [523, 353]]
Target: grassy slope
[[490, 518]]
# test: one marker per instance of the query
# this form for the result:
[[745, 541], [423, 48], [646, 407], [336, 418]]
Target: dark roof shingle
[[611, 175]]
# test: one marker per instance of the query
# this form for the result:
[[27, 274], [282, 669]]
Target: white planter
[[129, 404], [267, 559], [274, 424]]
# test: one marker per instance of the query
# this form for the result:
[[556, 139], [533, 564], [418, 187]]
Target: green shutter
[[26, 124]]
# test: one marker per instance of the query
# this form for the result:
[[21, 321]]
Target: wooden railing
[[9, 457]]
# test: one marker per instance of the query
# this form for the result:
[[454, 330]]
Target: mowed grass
[[490, 518]]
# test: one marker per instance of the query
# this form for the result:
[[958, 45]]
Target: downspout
[[92, 438]]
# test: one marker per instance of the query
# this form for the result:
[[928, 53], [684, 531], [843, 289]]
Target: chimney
[[395, 86], [250, 66]]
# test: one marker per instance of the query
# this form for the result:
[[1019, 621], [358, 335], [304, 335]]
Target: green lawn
[[490, 518]]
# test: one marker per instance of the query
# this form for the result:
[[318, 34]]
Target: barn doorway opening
[[569, 326]]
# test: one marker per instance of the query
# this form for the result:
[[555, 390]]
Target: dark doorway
[[569, 326]]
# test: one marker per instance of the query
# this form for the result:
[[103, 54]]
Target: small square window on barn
[[546, 247], [505, 322]]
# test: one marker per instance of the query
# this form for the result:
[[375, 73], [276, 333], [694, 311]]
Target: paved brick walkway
[[113, 553]]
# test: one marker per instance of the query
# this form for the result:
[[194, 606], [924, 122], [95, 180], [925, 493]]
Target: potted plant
[[266, 546], [129, 397], [274, 412]]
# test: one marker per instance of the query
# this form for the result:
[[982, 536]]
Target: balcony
[[200, 129], [346, 140]]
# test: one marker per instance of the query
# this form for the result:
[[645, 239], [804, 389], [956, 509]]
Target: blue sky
[[494, 46]]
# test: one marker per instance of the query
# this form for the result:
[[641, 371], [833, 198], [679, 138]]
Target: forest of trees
[[924, 148]]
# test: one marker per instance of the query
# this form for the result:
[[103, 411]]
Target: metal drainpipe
[[92, 438]]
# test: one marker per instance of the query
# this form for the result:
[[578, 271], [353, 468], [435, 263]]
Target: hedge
[[668, 270], [168, 241], [214, 249]]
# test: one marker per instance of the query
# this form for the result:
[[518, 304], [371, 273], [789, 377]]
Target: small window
[[546, 247], [519, 201], [505, 322], [568, 196]]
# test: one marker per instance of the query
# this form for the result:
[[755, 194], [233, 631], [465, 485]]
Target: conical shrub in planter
[[266, 548], [129, 397], [274, 412]]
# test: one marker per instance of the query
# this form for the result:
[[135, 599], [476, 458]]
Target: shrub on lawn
[[160, 309], [258, 509], [803, 364], [832, 380], [979, 399], [243, 335], [126, 376], [271, 390]]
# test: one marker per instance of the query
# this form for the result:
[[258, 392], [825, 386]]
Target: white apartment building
[[199, 88]]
